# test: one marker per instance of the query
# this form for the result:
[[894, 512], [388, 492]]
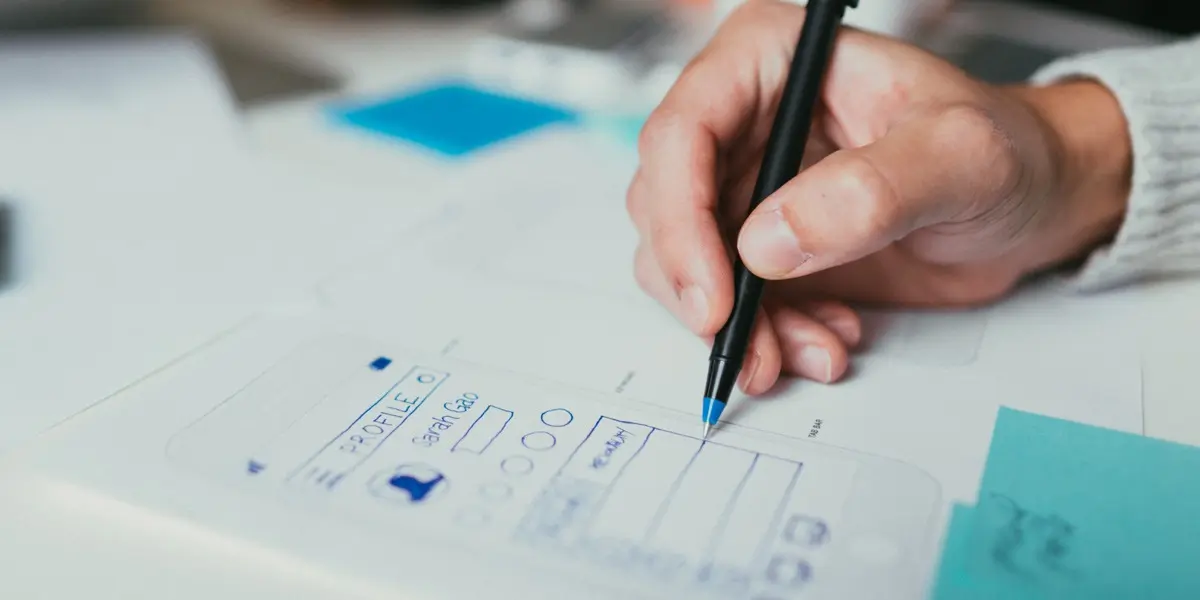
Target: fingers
[[812, 340], [763, 363], [811, 347], [688, 307], [855, 202], [674, 198]]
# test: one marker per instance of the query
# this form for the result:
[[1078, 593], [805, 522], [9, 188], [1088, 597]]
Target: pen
[[781, 162]]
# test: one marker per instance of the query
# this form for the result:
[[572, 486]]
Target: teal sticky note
[[1067, 510], [954, 581]]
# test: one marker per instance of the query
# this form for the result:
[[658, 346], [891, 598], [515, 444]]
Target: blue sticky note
[[452, 118], [1067, 510]]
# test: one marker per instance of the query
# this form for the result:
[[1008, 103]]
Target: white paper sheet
[[144, 227], [925, 391], [393, 473], [166, 81], [262, 440]]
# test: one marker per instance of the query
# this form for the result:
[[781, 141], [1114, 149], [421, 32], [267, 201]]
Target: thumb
[[856, 202]]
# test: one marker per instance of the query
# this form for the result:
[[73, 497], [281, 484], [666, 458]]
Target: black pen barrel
[[781, 162]]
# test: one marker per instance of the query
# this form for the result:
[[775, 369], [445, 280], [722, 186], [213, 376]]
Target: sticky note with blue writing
[[452, 118], [955, 580], [1067, 510]]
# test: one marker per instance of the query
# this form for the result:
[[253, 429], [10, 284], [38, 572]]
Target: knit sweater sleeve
[[1158, 89]]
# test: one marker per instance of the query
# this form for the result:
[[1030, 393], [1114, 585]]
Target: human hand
[[920, 187]]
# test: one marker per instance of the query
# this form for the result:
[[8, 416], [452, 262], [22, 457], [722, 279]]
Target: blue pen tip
[[712, 410]]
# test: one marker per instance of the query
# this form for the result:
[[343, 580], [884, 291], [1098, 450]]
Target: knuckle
[[969, 121], [643, 269], [664, 123], [650, 134], [875, 202], [633, 196], [980, 132]]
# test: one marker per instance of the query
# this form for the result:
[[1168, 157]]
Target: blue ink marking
[[417, 489], [711, 411], [374, 404], [528, 527], [806, 531], [492, 414], [452, 118], [496, 491], [539, 440], [723, 521], [510, 465], [254, 467], [381, 363], [779, 508], [662, 507], [777, 571], [727, 579], [557, 417], [561, 506]]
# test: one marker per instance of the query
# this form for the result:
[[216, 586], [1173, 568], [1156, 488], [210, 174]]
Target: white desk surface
[[379, 54]]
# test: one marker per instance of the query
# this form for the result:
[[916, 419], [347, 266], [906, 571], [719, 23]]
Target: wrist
[[1092, 154]]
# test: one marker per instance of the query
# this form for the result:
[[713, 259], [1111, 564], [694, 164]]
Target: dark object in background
[[259, 77], [23, 15], [6, 244], [1001, 61], [1171, 16]]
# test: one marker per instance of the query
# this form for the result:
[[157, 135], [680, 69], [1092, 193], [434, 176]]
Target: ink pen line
[[662, 507]]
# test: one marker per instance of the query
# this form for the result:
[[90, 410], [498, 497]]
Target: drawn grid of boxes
[[643, 500], [660, 504]]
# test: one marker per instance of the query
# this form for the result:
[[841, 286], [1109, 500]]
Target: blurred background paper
[[144, 225]]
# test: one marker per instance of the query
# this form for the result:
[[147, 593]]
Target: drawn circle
[[539, 440], [497, 490], [787, 571], [517, 465], [472, 517], [875, 550], [409, 484], [426, 378], [557, 417]]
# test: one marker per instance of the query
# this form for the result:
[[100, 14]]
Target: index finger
[[674, 200]]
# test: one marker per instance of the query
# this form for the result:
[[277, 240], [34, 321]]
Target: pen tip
[[707, 427]]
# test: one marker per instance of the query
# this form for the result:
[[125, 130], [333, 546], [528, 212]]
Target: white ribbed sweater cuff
[[1159, 91]]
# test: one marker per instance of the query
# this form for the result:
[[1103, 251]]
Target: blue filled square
[[381, 363], [453, 119]]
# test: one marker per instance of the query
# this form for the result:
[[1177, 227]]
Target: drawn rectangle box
[[562, 513], [486, 428], [701, 495], [807, 523], [606, 451], [635, 498], [750, 523], [362, 437]]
